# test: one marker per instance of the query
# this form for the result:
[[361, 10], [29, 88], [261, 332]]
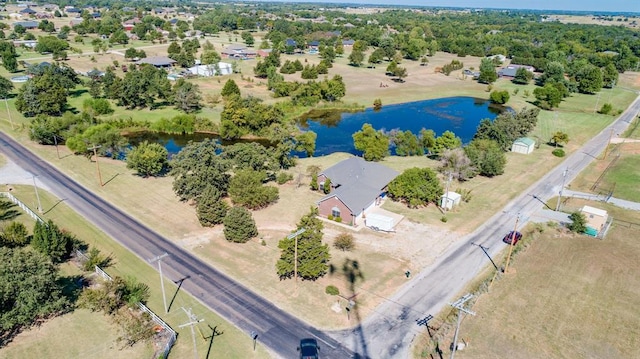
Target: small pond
[[461, 115], [335, 129]]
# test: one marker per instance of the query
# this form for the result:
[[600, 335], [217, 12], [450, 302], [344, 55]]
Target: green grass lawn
[[624, 178], [233, 344]]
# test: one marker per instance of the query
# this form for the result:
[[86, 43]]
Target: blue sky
[[581, 5]]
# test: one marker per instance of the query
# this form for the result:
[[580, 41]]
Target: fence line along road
[[278, 330]]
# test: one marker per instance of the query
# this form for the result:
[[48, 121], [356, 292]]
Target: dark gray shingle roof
[[358, 182]]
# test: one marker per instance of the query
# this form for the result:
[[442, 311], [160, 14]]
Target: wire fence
[[172, 335]]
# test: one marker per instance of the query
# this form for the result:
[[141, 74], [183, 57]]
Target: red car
[[514, 236]]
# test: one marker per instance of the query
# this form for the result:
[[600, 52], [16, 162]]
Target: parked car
[[513, 235], [309, 349]]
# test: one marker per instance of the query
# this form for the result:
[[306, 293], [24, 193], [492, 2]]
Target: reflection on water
[[458, 114], [335, 129]]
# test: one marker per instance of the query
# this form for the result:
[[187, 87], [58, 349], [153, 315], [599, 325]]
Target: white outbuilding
[[523, 145], [222, 68], [450, 199]]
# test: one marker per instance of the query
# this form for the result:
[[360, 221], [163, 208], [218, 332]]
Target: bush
[[96, 259], [578, 222], [444, 219], [606, 109], [99, 106], [283, 177], [499, 97], [338, 219], [344, 242], [558, 152], [330, 217], [332, 290]]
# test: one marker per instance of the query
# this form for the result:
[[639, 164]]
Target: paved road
[[279, 331], [389, 332]]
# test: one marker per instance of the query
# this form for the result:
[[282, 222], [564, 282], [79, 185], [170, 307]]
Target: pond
[[460, 115]]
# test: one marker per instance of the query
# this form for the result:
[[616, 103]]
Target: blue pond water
[[335, 129], [460, 115]]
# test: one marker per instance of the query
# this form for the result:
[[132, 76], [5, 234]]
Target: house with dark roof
[[313, 45], [290, 42], [356, 187], [27, 11], [238, 52], [348, 42], [26, 24], [72, 10], [157, 61], [511, 70]]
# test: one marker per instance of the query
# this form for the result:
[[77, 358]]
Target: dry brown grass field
[[567, 296]]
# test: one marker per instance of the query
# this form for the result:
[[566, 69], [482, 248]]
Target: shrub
[[283, 177], [99, 106], [344, 242], [578, 222], [314, 182], [606, 109], [332, 290], [330, 217], [499, 97], [558, 152], [338, 219], [96, 259], [444, 219]]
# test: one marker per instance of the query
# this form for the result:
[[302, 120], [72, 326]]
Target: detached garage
[[523, 145]]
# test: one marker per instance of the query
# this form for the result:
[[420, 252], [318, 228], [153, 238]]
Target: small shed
[[596, 218], [523, 145], [222, 68], [450, 199]]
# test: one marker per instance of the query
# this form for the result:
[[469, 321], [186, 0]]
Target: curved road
[[389, 332], [277, 330]]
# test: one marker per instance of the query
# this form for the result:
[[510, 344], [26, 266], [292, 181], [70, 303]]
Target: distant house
[[313, 45], [72, 10], [290, 42], [130, 24], [596, 219], [511, 70], [348, 42], [28, 11], [264, 52], [523, 145], [238, 52], [74, 22], [26, 24], [356, 186], [26, 43], [157, 61]]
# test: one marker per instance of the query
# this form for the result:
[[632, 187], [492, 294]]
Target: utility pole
[[159, 260], [95, 153], [6, 104], [445, 201], [295, 260], [459, 305], [35, 187], [513, 239], [598, 100], [193, 320], [564, 177]]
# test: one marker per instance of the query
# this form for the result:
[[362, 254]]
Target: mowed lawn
[[567, 296], [621, 177], [76, 335]]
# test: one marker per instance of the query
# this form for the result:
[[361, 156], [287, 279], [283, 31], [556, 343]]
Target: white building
[[450, 199], [223, 68], [523, 145]]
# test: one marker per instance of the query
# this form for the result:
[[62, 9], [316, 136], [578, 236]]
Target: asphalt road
[[279, 331], [389, 332]]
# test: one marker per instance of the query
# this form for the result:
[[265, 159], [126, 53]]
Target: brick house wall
[[325, 208]]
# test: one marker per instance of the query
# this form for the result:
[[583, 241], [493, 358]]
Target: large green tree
[[373, 144], [246, 189], [488, 72], [148, 159], [416, 187], [487, 157], [211, 208], [43, 94], [230, 88], [239, 225], [30, 291], [186, 96], [49, 240], [198, 166], [313, 255]]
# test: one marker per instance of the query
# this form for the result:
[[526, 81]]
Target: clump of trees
[[416, 187], [239, 225], [452, 66], [148, 159]]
